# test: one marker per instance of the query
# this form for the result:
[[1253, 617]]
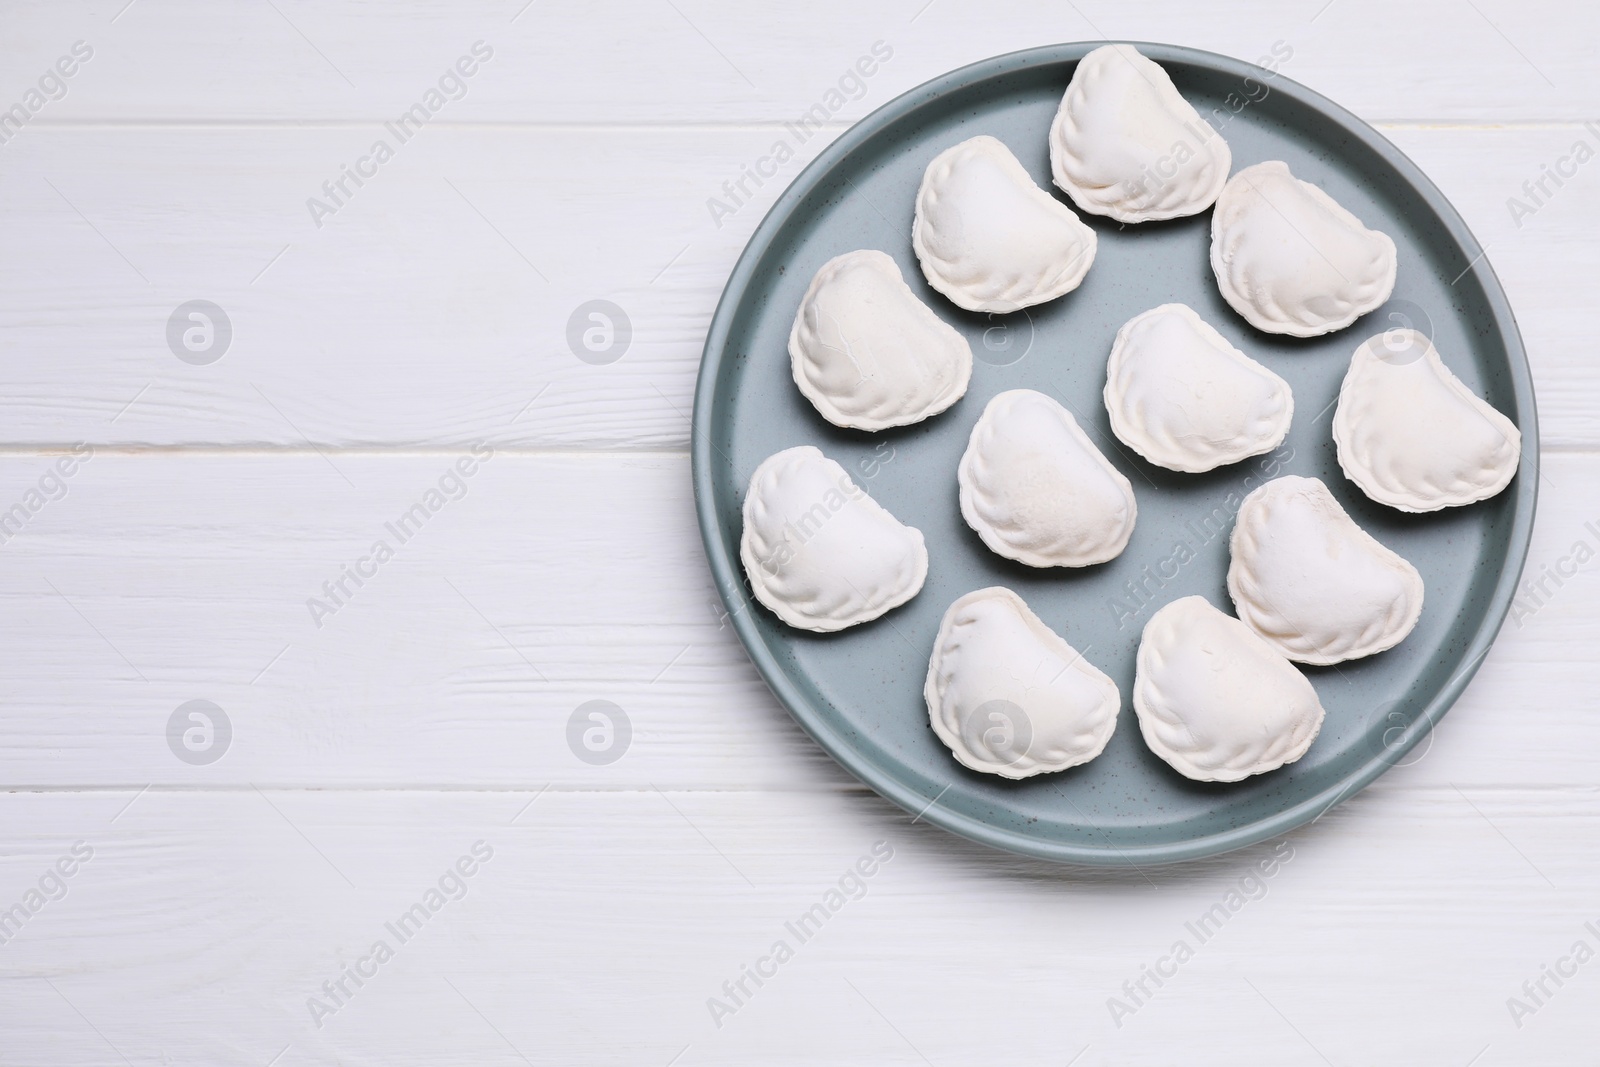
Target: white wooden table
[[179, 507]]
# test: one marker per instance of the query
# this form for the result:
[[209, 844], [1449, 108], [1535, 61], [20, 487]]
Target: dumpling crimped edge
[[823, 402], [937, 270], [1142, 685], [1359, 471], [1083, 196], [801, 620], [1251, 604], [1143, 442], [933, 694], [1222, 214], [966, 482]]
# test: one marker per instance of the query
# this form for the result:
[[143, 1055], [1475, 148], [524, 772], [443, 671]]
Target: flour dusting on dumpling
[[1125, 143], [1215, 700], [1009, 696], [820, 552], [1412, 436], [868, 353], [1037, 490], [1184, 398], [989, 238], [1312, 582], [1291, 259]]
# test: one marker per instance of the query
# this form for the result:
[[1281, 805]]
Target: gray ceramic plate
[[859, 693]]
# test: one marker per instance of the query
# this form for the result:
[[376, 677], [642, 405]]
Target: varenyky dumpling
[[868, 353], [820, 552], [1037, 490], [1126, 144], [1314, 584], [989, 238], [1009, 696], [1290, 259], [1184, 398], [1412, 436], [1215, 700]]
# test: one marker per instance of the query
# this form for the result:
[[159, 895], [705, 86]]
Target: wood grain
[[226, 911], [721, 61]]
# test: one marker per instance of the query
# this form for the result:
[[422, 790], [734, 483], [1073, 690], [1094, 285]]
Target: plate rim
[[730, 583]]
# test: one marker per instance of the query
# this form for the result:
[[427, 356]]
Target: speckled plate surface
[[859, 693]]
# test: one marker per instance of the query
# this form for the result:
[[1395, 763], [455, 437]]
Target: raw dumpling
[[1126, 144], [1184, 398], [820, 552], [989, 238], [1412, 436], [1314, 584], [868, 353], [1215, 700], [1290, 259], [1009, 696], [1037, 489]]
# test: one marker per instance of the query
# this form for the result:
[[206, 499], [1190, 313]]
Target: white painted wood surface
[[429, 712]]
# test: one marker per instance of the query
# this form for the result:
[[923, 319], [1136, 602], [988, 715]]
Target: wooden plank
[[716, 60], [432, 308], [553, 581], [203, 924]]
